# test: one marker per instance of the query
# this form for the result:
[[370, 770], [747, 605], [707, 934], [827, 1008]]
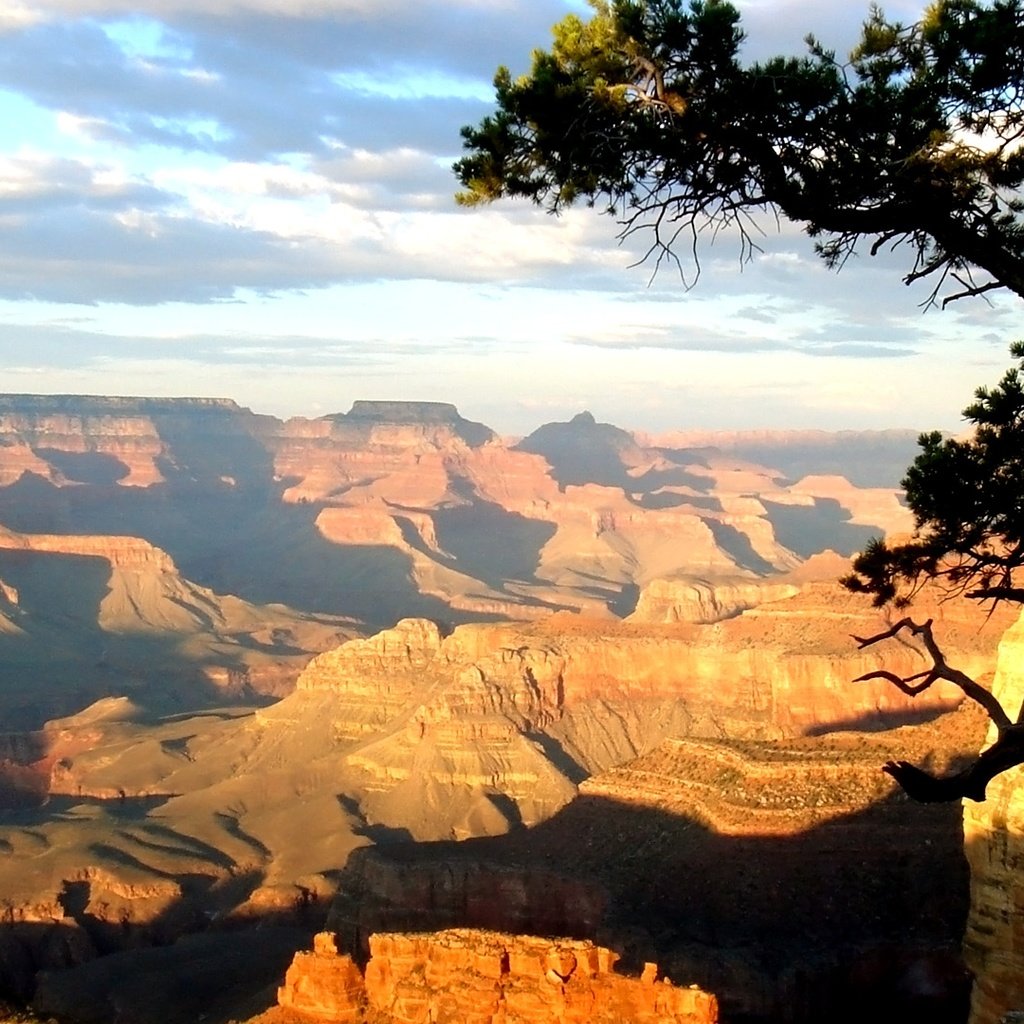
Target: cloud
[[76, 232], [274, 175], [806, 339], [780, 26]]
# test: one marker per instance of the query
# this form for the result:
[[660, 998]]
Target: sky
[[253, 199]]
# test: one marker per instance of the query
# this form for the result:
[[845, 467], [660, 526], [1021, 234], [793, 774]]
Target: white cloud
[[201, 177]]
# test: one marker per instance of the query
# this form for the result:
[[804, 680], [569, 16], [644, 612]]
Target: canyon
[[389, 674]]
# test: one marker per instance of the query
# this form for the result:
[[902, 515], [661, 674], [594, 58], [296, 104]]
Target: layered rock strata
[[703, 601], [419, 508], [994, 843], [789, 878], [479, 977]]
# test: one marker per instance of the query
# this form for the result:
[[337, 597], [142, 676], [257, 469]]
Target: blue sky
[[253, 199]]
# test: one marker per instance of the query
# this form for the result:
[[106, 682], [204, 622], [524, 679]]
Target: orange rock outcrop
[[994, 844], [324, 984], [120, 552], [468, 976]]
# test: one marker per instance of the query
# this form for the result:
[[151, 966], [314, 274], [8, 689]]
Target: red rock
[[323, 984], [468, 976]]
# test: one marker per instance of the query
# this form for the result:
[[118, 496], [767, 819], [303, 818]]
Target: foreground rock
[[480, 977], [994, 843], [788, 878]]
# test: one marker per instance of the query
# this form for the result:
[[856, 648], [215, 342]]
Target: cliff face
[[466, 975], [397, 509], [81, 613], [685, 856], [493, 725], [412, 734], [120, 552], [82, 439], [994, 843]]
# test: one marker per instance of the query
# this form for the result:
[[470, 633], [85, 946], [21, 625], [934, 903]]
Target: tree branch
[[972, 290], [971, 782], [940, 670]]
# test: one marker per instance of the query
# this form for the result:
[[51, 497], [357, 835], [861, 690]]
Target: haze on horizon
[[252, 199]]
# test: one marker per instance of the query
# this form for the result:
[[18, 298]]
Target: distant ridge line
[[112, 403]]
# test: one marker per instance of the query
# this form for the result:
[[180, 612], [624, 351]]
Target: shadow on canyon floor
[[492, 544], [248, 542], [859, 917], [61, 660], [808, 529], [226, 972], [879, 721]]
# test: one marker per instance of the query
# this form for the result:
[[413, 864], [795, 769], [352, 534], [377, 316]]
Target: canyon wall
[[994, 842], [466, 976], [397, 509], [789, 878]]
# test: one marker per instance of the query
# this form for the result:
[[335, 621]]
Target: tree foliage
[[648, 111], [967, 497], [916, 140]]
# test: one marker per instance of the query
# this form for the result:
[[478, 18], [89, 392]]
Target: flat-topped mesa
[[474, 975], [407, 454], [418, 414], [111, 405], [130, 441], [404, 412], [121, 552]]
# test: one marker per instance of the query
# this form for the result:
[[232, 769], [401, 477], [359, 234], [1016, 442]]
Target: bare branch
[[940, 670], [970, 291], [1015, 594], [901, 684]]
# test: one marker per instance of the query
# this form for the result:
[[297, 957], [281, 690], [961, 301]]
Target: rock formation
[[465, 976], [476, 733], [686, 855], [87, 616], [994, 843], [645, 752], [397, 509], [80, 439], [703, 601]]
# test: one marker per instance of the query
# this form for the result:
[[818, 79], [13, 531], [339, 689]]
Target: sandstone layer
[[994, 842], [466, 976], [790, 878], [408, 509]]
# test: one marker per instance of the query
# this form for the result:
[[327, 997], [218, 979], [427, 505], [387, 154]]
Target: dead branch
[[940, 670], [971, 782]]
